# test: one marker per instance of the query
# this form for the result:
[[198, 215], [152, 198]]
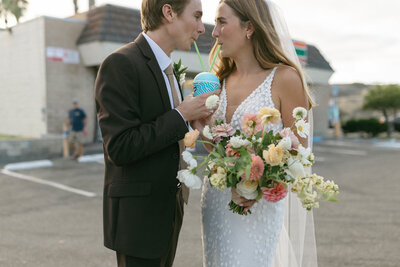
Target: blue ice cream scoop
[[205, 82]]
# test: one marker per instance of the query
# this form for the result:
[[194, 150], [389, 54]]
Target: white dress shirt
[[164, 61]]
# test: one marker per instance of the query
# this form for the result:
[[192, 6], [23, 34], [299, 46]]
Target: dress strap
[[273, 73]]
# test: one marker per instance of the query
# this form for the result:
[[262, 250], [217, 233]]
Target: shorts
[[76, 137]]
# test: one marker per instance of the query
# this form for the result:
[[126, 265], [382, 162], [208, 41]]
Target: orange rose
[[190, 138]]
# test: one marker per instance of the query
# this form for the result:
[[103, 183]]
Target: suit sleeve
[[126, 138]]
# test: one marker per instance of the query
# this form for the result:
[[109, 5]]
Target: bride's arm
[[287, 94]]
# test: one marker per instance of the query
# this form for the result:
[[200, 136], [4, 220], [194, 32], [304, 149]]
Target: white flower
[[285, 143], [298, 186], [247, 189], [207, 132], [303, 128], [212, 101], [188, 158], [211, 164], [317, 180], [254, 139], [309, 201], [299, 113], [330, 187], [304, 155], [218, 179], [237, 141], [182, 78], [189, 179], [296, 169]]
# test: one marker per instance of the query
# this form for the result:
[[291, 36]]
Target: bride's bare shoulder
[[288, 76], [287, 82]]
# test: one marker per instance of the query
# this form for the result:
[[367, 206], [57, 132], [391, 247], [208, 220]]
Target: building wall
[[66, 81], [22, 80], [321, 95]]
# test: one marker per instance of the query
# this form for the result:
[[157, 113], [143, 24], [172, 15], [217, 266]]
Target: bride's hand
[[200, 123], [241, 201]]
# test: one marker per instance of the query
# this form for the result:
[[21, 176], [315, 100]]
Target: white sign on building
[[59, 54]]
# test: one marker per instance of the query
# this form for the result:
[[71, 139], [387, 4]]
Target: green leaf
[[248, 170], [259, 196], [330, 198], [258, 134], [220, 149]]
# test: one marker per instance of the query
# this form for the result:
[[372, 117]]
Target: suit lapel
[[179, 85], [155, 68]]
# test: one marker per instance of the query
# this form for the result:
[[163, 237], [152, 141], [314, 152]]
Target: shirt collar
[[163, 60]]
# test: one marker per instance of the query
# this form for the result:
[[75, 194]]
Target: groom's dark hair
[[151, 12]]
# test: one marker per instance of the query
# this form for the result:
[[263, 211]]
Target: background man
[[77, 120]]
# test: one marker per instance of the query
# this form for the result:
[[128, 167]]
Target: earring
[[248, 36]]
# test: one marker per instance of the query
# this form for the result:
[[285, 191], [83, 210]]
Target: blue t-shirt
[[77, 117]]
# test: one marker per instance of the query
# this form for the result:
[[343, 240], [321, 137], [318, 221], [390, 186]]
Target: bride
[[257, 68]]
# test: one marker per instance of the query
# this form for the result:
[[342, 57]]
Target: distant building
[[351, 99], [47, 62]]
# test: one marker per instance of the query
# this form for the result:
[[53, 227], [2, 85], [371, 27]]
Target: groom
[[142, 117]]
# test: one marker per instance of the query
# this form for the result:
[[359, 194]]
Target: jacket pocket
[[129, 189]]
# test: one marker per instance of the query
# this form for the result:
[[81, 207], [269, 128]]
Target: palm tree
[[92, 4], [15, 8], [76, 6]]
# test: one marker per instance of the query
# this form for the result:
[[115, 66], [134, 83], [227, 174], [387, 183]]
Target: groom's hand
[[194, 108]]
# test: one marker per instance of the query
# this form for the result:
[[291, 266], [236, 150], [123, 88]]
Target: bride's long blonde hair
[[265, 40]]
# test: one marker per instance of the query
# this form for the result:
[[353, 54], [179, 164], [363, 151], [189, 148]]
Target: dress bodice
[[260, 97]]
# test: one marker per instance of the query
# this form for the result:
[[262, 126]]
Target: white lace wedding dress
[[234, 240]]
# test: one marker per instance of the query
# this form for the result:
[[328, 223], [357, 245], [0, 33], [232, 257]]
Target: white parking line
[[49, 183], [28, 165], [99, 158], [341, 151]]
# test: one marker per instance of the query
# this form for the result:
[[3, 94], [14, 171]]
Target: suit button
[[175, 156]]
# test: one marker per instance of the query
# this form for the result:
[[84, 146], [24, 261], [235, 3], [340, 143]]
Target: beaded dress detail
[[229, 239]]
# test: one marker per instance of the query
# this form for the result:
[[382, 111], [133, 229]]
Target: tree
[[15, 8], [385, 98], [76, 7], [92, 4]]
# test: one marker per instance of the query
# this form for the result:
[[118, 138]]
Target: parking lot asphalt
[[44, 222]]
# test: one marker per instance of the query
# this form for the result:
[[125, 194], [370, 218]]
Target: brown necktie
[[171, 79]]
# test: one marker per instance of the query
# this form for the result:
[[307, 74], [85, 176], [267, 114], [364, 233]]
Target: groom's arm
[[126, 138]]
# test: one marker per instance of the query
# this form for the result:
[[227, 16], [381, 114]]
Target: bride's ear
[[249, 29]]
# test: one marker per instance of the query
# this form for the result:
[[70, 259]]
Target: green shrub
[[371, 126]]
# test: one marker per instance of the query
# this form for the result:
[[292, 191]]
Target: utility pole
[[334, 115]]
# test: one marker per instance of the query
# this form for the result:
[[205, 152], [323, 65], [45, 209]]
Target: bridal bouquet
[[259, 165]]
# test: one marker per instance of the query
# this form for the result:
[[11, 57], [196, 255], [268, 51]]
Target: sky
[[359, 38]]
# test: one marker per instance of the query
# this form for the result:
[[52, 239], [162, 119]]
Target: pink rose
[[257, 168], [275, 193], [231, 152], [251, 124], [221, 131], [288, 133]]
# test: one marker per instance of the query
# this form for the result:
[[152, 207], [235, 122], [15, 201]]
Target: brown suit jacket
[[140, 138]]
